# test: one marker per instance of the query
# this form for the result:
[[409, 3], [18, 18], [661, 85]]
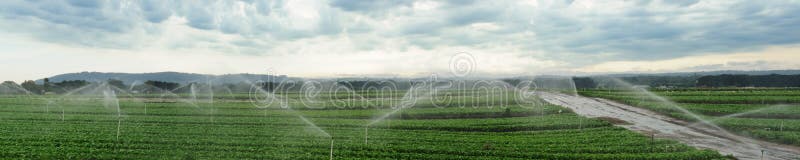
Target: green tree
[[9, 83], [584, 82], [116, 83], [32, 87], [46, 85], [70, 84], [162, 85]]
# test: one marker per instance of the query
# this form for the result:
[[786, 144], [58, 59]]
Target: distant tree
[[116, 83], [46, 85], [9, 83], [513, 82], [32, 87], [352, 85], [584, 82], [726, 80], [70, 84], [162, 85], [239, 87], [9, 87]]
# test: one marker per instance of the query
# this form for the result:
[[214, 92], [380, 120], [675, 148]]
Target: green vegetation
[[769, 114], [231, 127]]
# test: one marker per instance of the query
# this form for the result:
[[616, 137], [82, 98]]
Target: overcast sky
[[311, 38]]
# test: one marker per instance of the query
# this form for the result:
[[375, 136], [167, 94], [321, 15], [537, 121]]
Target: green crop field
[[768, 114], [232, 126]]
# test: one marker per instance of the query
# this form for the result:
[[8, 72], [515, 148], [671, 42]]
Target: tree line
[[727, 80], [69, 85]]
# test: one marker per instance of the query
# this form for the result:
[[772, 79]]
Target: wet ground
[[654, 124]]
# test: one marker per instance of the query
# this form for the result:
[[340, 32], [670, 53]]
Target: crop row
[[751, 112], [34, 128]]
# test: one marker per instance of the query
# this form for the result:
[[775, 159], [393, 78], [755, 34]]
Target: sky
[[334, 38]]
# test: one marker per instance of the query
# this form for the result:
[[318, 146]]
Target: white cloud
[[425, 5], [773, 58], [485, 26], [303, 14], [405, 37]]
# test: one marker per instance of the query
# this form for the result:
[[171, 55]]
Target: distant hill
[[712, 73], [682, 79], [177, 77], [653, 79]]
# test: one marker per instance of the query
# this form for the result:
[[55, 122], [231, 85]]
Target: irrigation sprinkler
[[652, 141], [331, 155], [119, 123], [366, 135], [211, 114]]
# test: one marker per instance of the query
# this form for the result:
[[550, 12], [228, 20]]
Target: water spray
[[110, 99], [408, 101], [284, 105], [671, 104], [743, 114]]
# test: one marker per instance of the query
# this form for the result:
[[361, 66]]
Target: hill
[[709, 73], [177, 77]]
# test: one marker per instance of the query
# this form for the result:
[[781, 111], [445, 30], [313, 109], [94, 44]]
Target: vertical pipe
[[119, 123], [652, 142]]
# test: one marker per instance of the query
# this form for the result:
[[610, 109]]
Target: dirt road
[[649, 122]]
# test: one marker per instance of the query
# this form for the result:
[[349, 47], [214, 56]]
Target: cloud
[[658, 31], [369, 6], [155, 11], [201, 18], [627, 30], [579, 33], [772, 58], [85, 3]]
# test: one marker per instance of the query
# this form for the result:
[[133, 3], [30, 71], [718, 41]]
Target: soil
[[654, 124]]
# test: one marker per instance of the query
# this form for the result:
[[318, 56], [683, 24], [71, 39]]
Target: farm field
[[767, 114], [408, 79], [182, 126]]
